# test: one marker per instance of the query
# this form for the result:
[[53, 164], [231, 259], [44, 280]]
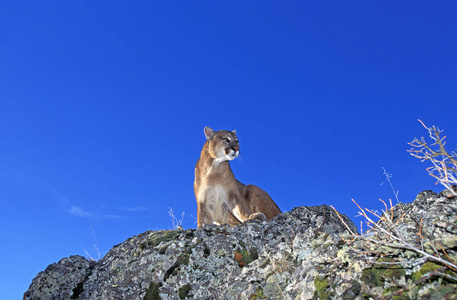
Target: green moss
[[367, 296], [152, 293], [443, 292], [250, 256], [370, 277], [183, 291], [189, 248], [161, 236], [167, 236], [426, 268], [258, 294], [244, 257], [321, 284], [376, 275], [402, 296], [253, 253]]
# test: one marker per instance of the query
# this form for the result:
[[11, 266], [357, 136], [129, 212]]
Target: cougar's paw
[[258, 216]]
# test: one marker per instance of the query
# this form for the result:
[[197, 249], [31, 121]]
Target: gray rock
[[62, 280], [306, 253]]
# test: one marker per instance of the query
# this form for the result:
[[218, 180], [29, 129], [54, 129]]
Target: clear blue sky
[[103, 106]]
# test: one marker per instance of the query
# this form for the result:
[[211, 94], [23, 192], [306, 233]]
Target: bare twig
[[392, 239], [444, 168], [342, 220], [175, 222], [388, 176]]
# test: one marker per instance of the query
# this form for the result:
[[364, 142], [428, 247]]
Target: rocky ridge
[[306, 253]]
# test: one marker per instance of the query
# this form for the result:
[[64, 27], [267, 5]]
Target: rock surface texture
[[306, 253]]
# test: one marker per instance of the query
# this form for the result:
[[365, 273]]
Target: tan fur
[[220, 197]]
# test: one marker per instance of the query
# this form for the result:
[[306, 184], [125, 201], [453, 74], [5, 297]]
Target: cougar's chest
[[214, 199]]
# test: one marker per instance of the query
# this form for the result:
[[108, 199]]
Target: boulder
[[307, 253]]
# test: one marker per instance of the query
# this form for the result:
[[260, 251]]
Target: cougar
[[221, 199]]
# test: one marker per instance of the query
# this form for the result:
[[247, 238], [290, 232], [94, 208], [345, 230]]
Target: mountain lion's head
[[222, 145]]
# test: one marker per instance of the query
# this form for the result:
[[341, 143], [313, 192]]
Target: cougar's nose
[[236, 149]]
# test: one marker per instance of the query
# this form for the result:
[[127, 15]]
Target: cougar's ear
[[234, 131], [209, 133]]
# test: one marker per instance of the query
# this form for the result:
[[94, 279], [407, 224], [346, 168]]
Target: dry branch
[[444, 168]]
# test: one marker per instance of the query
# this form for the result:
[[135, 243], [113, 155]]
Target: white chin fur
[[232, 155]]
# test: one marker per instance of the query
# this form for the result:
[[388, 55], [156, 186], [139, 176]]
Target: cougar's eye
[[227, 140]]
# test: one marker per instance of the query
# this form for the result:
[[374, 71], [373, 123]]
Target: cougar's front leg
[[231, 219], [203, 217], [240, 210]]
